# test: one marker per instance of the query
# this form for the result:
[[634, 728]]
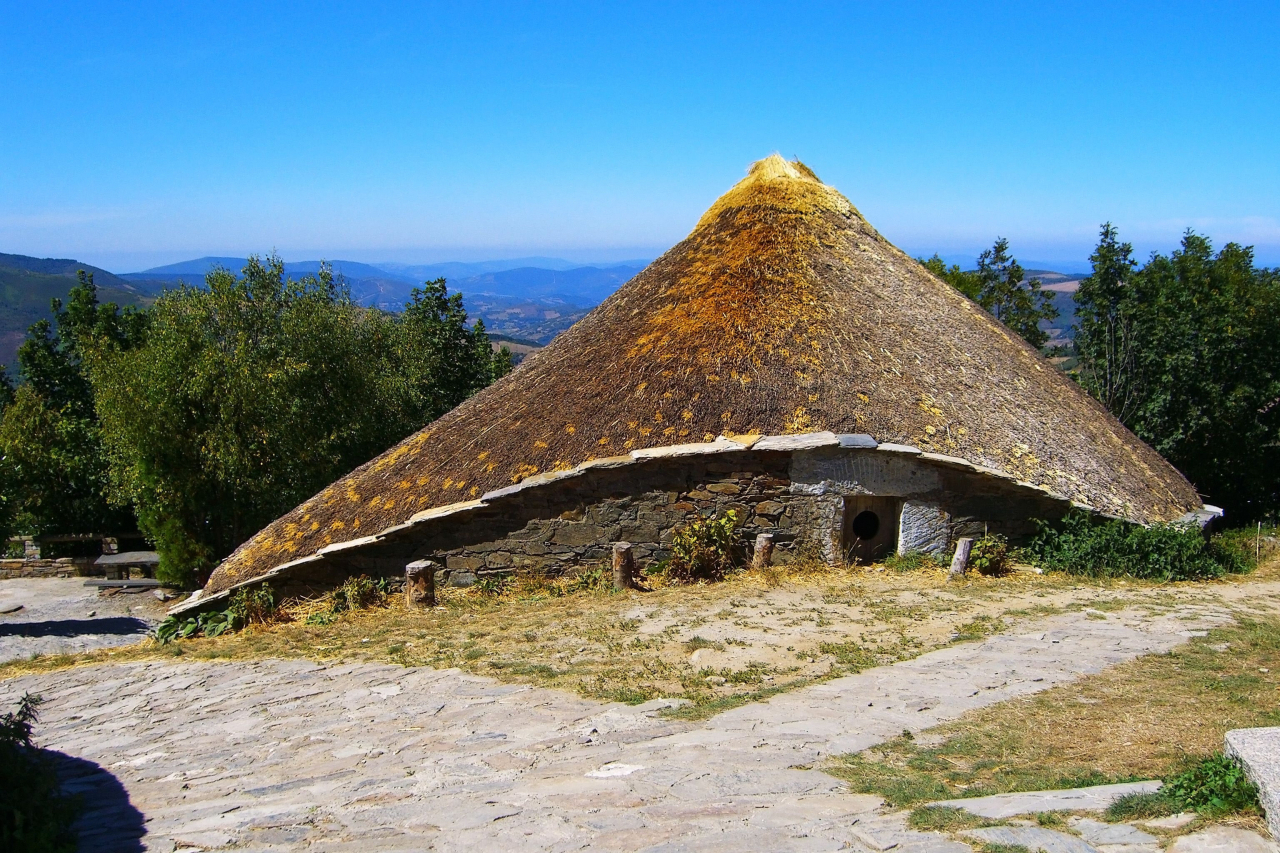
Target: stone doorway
[[870, 528]]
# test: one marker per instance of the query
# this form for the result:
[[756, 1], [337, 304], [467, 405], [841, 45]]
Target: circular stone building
[[785, 361]]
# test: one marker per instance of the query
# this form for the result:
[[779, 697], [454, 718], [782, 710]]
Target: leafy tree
[[967, 283], [1183, 351], [1020, 305], [251, 394], [1106, 311], [998, 286], [54, 466]]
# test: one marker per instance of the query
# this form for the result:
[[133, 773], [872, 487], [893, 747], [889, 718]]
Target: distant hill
[[530, 298], [27, 285]]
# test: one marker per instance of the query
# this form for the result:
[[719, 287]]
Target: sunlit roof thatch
[[783, 311]]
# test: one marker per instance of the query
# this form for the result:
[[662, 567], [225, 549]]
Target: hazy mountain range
[[527, 299]]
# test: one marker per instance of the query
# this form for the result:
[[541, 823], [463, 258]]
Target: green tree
[[54, 466], [1185, 350], [1020, 305], [1106, 310], [998, 286], [251, 394], [967, 283]]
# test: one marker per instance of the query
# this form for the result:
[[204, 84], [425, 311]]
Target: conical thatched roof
[[783, 312]]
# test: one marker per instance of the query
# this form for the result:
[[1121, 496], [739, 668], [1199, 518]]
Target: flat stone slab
[[1095, 799], [1097, 832], [1173, 821], [1223, 839], [1032, 838], [1258, 751]]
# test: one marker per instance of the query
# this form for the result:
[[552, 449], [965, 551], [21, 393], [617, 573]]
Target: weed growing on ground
[[1213, 787], [912, 561], [990, 555], [945, 819], [36, 816]]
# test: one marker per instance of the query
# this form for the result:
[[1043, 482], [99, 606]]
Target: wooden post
[[624, 566], [763, 555], [420, 585], [960, 561]]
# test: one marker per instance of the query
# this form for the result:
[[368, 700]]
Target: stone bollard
[[420, 585], [960, 561], [624, 566], [763, 555]]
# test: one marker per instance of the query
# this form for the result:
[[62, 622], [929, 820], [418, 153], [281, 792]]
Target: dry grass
[[718, 645], [1143, 719]]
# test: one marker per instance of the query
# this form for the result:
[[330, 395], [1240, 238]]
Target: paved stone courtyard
[[62, 615], [286, 755]]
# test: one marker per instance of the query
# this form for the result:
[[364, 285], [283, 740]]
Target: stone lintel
[[447, 509], [952, 461], [720, 445], [350, 543], [804, 441], [900, 448]]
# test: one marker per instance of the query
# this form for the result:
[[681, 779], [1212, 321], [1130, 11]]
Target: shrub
[[990, 554], [703, 550], [254, 606], [359, 593], [912, 561], [1213, 787], [36, 816], [1083, 545], [493, 585]]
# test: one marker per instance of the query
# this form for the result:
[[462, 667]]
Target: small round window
[[866, 524]]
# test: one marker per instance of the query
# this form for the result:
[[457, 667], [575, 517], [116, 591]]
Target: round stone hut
[[785, 361]]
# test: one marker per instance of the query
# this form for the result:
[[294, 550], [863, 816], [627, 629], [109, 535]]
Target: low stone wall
[[797, 488], [63, 567]]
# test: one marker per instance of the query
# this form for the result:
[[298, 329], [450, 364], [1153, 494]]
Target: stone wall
[[63, 567], [563, 522], [564, 526]]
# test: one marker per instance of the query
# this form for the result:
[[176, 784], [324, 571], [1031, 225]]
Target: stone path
[[278, 755], [62, 615]]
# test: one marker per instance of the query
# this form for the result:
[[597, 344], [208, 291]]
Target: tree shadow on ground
[[114, 625], [108, 822]]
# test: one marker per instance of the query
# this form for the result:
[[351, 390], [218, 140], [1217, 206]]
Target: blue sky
[[138, 134]]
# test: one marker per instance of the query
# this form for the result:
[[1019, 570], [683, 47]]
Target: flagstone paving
[[277, 755]]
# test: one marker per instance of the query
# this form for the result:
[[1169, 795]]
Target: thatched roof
[[783, 312]]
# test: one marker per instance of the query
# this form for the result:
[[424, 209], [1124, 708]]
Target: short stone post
[[30, 549], [624, 566], [960, 561], [763, 555], [420, 585]]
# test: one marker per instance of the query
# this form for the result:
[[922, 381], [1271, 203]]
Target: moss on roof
[[783, 311]]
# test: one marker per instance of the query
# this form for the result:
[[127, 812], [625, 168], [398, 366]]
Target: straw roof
[[783, 311]]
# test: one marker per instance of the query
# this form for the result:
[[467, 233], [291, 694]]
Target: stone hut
[[785, 361]]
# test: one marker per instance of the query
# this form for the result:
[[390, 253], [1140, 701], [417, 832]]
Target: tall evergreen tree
[[1019, 304]]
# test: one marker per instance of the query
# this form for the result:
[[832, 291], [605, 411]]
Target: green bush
[[990, 554], [248, 606], [1213, 787], [1083, 545], [703, 550], [912, 561], [35, 816]]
